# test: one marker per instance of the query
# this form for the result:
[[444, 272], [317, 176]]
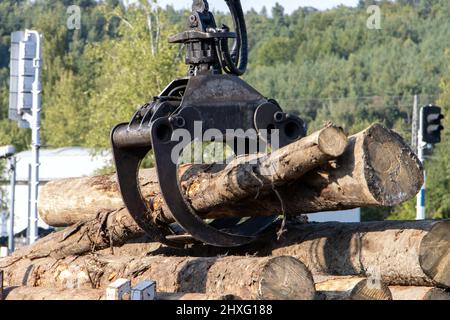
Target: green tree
[[129, 70]]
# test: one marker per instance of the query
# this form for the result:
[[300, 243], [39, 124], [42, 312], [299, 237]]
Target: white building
[[55, 164]]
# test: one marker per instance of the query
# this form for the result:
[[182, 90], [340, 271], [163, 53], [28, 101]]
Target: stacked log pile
[[324, 172]]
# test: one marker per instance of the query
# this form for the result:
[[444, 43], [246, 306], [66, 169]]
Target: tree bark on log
[[377, 168], [419, 293], [411, 253], [404, 253], [42, 293], [351, 288], [247, 278]]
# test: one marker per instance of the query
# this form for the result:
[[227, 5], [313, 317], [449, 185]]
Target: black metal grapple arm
[[239, 52]]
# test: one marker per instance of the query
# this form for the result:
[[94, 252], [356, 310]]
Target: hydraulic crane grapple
[[211, 97]]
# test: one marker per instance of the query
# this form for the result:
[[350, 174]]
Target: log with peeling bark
[[269, 278], [66, 202], [411, 253], [419, 293], [42, 293], [351, 288], [376, 169]]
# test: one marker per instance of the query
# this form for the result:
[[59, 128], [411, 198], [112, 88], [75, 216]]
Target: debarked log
[[269, 278]]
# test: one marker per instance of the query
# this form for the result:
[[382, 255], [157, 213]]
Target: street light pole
[[34, 120]]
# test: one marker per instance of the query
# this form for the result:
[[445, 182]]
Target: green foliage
[[278, 49], [66, 121], [128, 72]]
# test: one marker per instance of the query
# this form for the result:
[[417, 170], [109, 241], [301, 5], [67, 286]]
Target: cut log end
[[434, 256], [351, 288], [332, 141], [286, 278], [393, 172], [365, 290], [437, 294]]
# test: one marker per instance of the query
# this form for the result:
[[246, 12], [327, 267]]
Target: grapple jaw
[[191, 109]]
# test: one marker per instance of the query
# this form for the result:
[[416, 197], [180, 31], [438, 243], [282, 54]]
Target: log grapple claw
[[207, 106]]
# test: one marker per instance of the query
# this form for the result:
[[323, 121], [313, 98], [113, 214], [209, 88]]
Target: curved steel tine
[[127, 164], [167, 169]]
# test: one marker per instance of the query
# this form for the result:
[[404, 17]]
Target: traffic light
[[430, 119]]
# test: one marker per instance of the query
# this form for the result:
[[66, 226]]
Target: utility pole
[[25, 103]]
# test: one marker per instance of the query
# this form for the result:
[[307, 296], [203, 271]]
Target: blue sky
[[289, 5]]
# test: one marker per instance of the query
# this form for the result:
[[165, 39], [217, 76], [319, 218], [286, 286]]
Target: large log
[[351, 288], [411, 253], [419, 293], [268, 278], [66, 202], [377, 168]]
